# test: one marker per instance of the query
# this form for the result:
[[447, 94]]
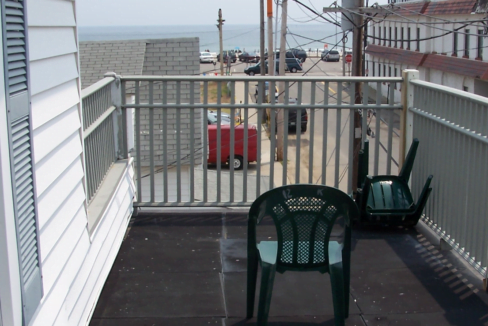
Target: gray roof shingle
[[100, 57]]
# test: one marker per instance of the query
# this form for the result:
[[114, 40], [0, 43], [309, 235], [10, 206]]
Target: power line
[[316, 13]]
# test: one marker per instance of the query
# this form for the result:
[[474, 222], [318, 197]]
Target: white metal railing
[[99, 133], [452, 128], [172, 145]]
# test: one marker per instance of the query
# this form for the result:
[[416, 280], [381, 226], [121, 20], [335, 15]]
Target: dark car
[[256, 69], [293, 65], [292, 117], [299, 54], [226, 53], [249, 57], [294, 53]]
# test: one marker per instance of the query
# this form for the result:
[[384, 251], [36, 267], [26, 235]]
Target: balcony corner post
[[406, 118], [120, 119]]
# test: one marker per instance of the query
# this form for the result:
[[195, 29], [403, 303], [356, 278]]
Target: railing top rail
[[263, 105], [452, 91], [264, 78], [95, 87], [451, 125]]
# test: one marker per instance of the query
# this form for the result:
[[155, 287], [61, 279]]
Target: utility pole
[[270, 41], [261, 40], [343, 53], [279, 143], [357, 62], [354, 22], [219, 26], [261, 55]]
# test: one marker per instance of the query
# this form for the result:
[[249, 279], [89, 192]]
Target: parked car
[[212, 118], [207, 57], [266, 90], [299, 54], [249, 57], [323, 54], [256, 69], [333, 55], [226, 53], [238, 145], [293, 65], [292, 117]]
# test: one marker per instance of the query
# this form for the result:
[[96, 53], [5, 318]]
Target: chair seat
[[389, 195], [268, 251]]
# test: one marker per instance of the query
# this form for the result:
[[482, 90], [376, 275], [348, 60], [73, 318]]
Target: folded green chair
[[387, 199], [303, 215]]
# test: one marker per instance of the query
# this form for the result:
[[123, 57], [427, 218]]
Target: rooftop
[[190, 269]]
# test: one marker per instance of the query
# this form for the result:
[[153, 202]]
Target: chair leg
[[347, 283], [338, 295], [252, 274], [422, 201], [265, 293]]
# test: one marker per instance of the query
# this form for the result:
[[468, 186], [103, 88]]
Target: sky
[[186, 12]]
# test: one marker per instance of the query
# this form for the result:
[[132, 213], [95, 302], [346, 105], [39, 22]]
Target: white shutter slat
[[15, 40], [23, 185], [25, 214]]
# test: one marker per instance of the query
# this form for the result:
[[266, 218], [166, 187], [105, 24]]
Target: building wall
[[432, 30], [55, 97], [158, 57], [171, 57], [74, 265]]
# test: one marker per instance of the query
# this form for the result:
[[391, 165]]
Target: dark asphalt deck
[[190, 269]]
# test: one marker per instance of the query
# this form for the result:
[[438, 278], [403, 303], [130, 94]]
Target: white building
[[56, 246], [445, 40]]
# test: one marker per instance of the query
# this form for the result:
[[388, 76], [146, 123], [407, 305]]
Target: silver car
[[333, 55]]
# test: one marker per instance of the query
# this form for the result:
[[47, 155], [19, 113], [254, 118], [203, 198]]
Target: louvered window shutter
[[14, 28]]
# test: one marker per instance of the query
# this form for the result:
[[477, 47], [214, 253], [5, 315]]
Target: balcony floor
[[190, 269]]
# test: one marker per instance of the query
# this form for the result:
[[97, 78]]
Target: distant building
[[158, 57], [445, 40]]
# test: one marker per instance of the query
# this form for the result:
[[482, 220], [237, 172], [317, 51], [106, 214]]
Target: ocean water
[[243, 37]]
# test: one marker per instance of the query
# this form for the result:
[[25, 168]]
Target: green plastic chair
[[387, 199], [303, 215]]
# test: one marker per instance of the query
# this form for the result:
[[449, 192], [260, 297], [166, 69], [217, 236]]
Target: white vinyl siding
[[46, 42], [52, 72], [62, 157], [74, 265], [103, 250], [58, 192], [66, 96], [52, 134], [51, 232], [51, 13]]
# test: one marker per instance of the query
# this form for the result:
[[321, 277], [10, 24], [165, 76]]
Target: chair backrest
[[363, 164], [408, 164], [304, 215]]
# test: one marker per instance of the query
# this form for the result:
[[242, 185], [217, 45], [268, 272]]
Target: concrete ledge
[[106, 191]]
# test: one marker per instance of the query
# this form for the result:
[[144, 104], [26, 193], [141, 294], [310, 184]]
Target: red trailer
[[238, 145]]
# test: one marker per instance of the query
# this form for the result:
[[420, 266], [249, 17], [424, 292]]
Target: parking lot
[[312, 66]]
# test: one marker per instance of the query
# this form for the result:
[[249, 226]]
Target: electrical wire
[[316, 13]]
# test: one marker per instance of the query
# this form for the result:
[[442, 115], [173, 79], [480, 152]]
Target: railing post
[[406, 118], [120, 119]]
